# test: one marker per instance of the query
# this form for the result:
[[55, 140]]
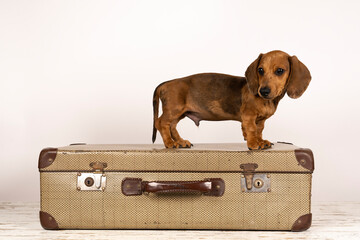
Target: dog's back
[[211, 90], [205, 96]]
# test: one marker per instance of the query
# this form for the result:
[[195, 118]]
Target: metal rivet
[[218, 186], [104, 175], [50, 218], [269, 190], [103, 189], [302, 161], [78, 188], [299, 221], [79, 174], [128, 186], [268, 176], [50, 160]]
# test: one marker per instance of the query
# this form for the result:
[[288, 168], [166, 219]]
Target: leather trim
[[302, 223], [305, 158], [131, 186], [47, 157], [285, 143], [47, 221], [174, 171]]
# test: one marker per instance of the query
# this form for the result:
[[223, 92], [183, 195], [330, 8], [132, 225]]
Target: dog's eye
[[279, 71], [261, 71]]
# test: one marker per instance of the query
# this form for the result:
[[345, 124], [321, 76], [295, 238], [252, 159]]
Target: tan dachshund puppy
[[215, 97]]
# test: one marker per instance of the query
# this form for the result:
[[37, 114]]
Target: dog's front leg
[[250, 131], [260, 127], [244, 132]]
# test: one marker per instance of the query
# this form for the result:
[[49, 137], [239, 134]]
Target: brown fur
[[215, 97]]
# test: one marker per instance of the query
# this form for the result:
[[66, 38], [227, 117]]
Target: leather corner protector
[[131, 186], [47, 221], [305, 158], [47, 157], [302, 223]]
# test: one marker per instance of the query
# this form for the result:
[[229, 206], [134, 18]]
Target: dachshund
[[215, 97]]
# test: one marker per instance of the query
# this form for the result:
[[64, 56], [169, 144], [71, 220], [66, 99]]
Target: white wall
[[85, 71]]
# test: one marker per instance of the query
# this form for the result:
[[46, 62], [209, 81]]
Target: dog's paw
[[184, 144], [259, 145], [178, 144], [253, 145], [264, 144], [171, 145]]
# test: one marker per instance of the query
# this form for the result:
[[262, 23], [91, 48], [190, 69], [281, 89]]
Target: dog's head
[[275, 72]]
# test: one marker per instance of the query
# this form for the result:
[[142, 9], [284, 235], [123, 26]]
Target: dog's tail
[[156, 110]]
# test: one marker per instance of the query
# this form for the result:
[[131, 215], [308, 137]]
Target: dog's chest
[[266, 109]]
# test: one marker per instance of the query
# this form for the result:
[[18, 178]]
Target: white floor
[[331, 220]]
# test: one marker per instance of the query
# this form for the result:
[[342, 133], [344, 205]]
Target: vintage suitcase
[[210, 186]]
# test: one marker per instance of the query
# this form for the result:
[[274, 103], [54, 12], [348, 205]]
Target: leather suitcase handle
[[209, 187], [198, 186]]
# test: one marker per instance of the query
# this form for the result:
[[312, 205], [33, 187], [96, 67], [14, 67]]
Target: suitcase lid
[[224, 157]]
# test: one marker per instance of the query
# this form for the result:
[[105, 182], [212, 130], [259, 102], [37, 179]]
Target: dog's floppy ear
[[252, 77], [299, 78]]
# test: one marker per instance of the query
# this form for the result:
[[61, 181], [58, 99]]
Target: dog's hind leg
[[176, 137], [163, 125]]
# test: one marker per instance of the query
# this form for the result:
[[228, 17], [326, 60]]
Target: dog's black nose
[[265, 91]]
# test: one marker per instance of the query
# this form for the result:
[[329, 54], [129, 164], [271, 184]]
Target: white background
[[85, 71]]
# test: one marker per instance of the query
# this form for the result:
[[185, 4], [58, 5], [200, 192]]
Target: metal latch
[[260, 184], [249, 169], [254, 182], [95, 181]]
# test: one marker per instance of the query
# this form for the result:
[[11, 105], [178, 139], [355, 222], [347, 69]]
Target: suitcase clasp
[[95, 181], [261, 183], [249, 169]]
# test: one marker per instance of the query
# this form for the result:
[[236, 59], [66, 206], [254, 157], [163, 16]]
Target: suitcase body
[[210, 186]]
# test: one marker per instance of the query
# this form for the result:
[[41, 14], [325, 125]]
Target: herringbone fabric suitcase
[[210, 186]]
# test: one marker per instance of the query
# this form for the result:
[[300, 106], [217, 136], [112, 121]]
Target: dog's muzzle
[[265, 91]]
